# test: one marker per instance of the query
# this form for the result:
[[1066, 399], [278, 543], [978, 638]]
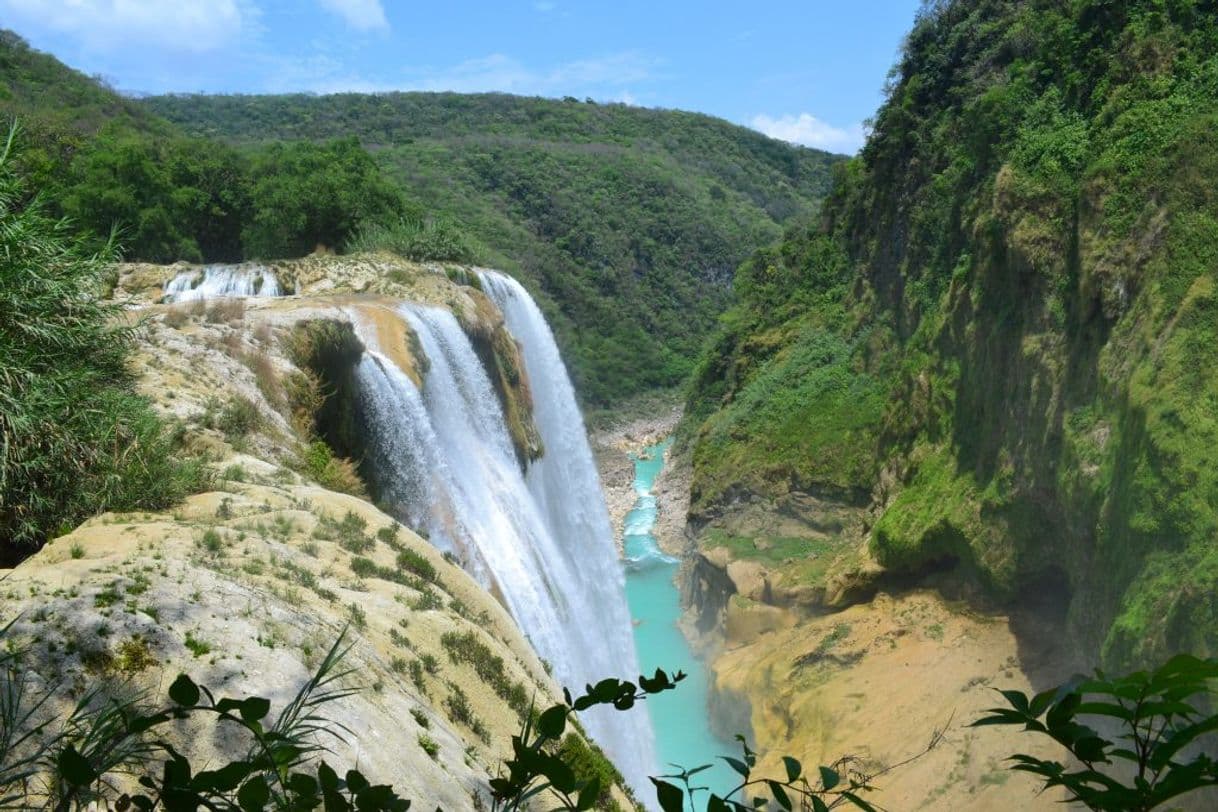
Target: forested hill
[[999, 343], [629, 221]]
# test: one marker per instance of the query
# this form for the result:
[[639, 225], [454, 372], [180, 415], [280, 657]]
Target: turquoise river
[[680, 719]]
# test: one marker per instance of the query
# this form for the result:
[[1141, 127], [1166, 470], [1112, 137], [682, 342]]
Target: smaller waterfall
[[213, 281]]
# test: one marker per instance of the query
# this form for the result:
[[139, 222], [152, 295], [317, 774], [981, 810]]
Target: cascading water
[[444, 460], [212, 281]]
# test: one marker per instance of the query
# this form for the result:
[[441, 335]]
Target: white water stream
[[444, 461], [213, 281]]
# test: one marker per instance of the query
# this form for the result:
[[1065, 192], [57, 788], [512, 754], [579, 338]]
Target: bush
[[467, 648], [414, 562], [75, 438], [239, 419], [304, 195], [416, 237], [335, 473]]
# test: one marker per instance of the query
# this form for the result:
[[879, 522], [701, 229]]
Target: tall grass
[[75, 439], [417, 238]]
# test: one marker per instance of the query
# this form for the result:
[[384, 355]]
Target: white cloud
[[362, 15], [191, 25], [810, 131]]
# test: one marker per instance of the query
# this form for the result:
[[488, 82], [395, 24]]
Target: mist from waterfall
[[212, 281], [443, 460]]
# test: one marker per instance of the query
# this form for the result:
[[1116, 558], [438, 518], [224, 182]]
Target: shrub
[[467, 648], [318, 462], [416, 237], [429, 745], [225, 311], [412, 561], [176, 317], [457, 705], [76, 437], [239, 418], [363, 567]]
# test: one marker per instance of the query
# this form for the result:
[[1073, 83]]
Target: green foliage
[[1018, 268], [169, 199], [318, 462], [239, 418], [415, 237], [829, 788], [303, 195], [806, 416], [1151, 759], [537, 768], [75, 439], [467, 648], [625, 223], [411, 561]]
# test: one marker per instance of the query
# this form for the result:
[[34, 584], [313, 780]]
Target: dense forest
[[1000, 334], [630, 221], [627, 222]]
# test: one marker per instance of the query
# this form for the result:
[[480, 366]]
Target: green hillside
[[628, 221], [1001, 334]]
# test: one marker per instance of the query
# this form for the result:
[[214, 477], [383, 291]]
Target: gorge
[[862, 445]]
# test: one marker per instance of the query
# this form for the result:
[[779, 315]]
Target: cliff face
[[995, 351], [245, 587]]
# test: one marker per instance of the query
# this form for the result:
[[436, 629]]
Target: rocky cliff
[[986, 370], [246, 586]]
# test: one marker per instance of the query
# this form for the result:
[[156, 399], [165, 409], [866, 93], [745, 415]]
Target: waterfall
[[566, 487], [443, 460], [211, 281]]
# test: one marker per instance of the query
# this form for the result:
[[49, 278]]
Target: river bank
[[614, 439]]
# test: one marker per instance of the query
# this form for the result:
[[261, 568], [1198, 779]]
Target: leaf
[[859, 802], [225, 779], [553, 722], [794, 768], [779, 794], [303, 784], [75, 768], [1018, 700], [737, 765], [829, 777], [671, 798], [356, 781], [255, 708], [254, 794], [327, 777], [589, 794], [624, 702], [184, 691]]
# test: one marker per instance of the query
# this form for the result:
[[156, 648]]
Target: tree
[[305, 194], [75, 438]]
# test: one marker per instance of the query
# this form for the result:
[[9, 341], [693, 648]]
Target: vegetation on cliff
[[75, 439], [1002, 327]]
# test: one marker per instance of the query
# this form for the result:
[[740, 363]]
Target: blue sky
[[809, 72]]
